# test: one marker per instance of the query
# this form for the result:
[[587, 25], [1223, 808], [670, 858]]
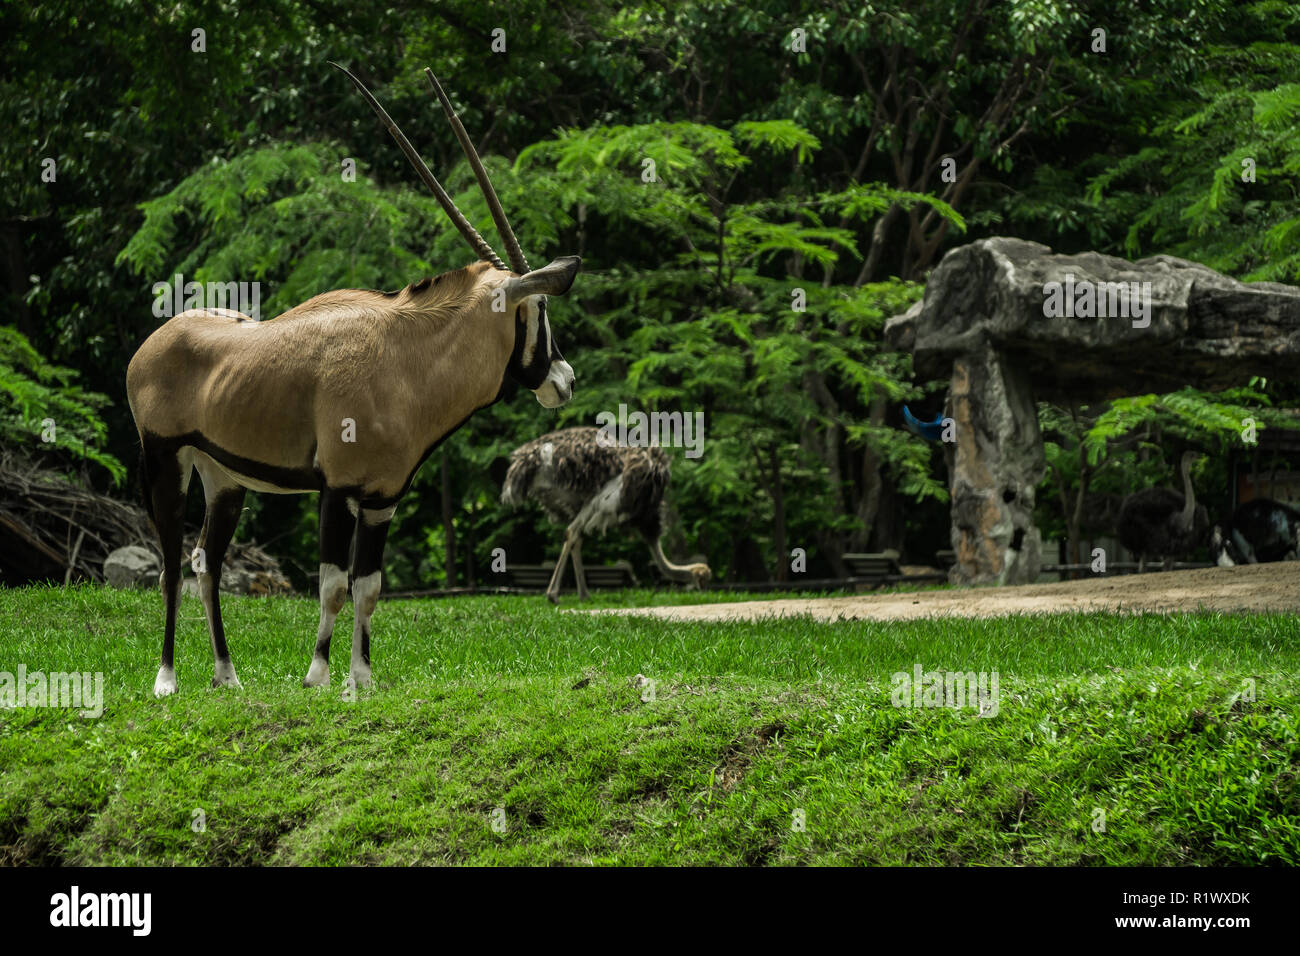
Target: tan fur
[[277, 392]]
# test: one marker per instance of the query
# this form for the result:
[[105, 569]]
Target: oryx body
[[345, 395]]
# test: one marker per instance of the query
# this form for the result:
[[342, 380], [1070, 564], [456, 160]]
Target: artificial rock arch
[[992, 320]]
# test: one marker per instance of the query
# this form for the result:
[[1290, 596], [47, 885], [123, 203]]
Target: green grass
[[487, 703]]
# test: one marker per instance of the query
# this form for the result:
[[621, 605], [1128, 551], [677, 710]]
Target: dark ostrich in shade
[[590, 486], [1160, 523], [1258, 532]]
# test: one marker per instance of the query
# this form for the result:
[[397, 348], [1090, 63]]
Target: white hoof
[[318, 675], [164, 685], [360, 675], [224, 676]]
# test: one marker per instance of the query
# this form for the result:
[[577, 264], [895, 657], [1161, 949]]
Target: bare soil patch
[[1260, 587]]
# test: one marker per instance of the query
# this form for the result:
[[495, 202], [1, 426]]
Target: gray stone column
[[1114, 328], [994, 467]]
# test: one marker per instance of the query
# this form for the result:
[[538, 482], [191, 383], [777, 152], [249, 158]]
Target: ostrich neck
[[678, 572], [1189, 496]]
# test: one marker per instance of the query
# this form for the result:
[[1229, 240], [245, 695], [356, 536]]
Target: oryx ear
[[552, 279]]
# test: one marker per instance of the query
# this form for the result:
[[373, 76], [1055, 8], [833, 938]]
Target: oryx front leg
[[336, 528], [367, 574]]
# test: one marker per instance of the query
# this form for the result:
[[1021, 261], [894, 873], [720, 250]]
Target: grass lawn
[[501, 731]]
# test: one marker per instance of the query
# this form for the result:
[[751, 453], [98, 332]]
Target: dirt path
[[1261, 587]]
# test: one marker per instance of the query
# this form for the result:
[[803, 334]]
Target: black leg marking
[[219, 525], [164, 479], [337, 526], [367, 576]]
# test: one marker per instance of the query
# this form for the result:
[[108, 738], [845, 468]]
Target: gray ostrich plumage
[[591, 486], [1161, 523]]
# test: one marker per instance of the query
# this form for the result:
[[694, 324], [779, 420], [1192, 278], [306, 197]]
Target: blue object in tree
[[930, 431]]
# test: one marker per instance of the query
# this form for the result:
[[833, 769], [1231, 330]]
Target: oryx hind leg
[[337, 525], [165, 474], [224, 500], [367, 575]]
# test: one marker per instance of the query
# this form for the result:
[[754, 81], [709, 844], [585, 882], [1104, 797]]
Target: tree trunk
[[11, 236], [747, 561], [879, 233], [872, 483], [825, 444], [890, 530], [778, 516], [448, 524], [1076, 516], [470, 577]]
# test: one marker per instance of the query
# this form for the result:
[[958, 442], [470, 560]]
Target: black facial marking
[[543, 337], [531, 376]]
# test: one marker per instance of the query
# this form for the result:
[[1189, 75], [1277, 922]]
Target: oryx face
[[536, 362], [539, 366]]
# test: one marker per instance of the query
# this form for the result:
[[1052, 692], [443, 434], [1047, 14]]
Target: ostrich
[[1258, 532], [1158, 522], [590, 485]]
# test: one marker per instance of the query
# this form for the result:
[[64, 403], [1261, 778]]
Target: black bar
[[937, 906]]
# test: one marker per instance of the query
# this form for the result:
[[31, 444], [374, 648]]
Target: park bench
[[873, 570], [535, 577]]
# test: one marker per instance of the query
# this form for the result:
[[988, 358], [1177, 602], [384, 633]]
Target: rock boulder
[[1012, 323], [132, 567]]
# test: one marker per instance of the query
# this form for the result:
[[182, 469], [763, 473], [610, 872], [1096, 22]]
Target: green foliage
[[279, 211], [1208, 159], [775, 169], [1113, 448], [715, 328], [40, 402], [711, 329], [1214, 421]]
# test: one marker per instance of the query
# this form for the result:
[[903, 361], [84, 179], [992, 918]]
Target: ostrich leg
[[578, 572], [595, 515], [553, 589]]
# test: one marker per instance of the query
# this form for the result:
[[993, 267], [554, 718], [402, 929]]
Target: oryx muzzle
[[346, 394]]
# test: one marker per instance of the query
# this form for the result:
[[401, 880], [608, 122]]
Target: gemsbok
[[346, 394]]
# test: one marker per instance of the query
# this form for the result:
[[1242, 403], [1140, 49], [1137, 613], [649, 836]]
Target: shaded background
[[783, 160]]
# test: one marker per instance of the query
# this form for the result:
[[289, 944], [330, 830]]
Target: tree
[[1097, 455]]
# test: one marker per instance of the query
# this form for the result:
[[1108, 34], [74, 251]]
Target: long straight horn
[[517, 260], [463, 225]]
